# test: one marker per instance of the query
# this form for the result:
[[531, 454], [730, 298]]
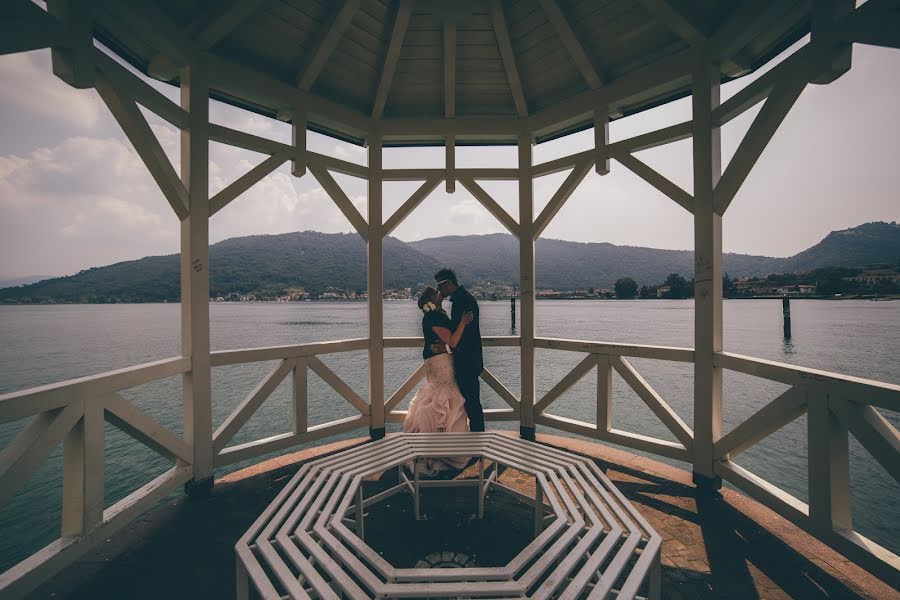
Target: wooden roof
[[419, 70]]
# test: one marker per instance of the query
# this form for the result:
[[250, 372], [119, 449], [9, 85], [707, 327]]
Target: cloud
[[31, 91]]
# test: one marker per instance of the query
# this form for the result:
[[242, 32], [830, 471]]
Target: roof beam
[[509, 58], [398, 32], [211, 28], [570, 41], [329, 42]]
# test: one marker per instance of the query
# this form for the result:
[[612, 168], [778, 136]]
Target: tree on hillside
[[647, 292], [679, 287], [626, 288]]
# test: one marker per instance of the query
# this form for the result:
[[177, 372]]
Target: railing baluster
[[83, 462], [604, 393], [829, 468], [300, 396]]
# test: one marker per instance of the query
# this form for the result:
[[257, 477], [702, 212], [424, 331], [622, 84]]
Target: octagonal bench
[[310, 541]]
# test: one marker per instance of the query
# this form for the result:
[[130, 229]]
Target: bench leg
[[538, 508], [416, 514], [480, 487], [360, 513], [242, 581], [655, 578]]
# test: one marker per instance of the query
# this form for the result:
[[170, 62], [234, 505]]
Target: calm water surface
[[46, 344]]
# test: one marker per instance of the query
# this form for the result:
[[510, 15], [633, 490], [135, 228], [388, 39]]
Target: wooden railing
[[73, 413]]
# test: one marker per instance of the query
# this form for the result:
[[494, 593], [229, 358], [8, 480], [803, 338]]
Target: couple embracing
[[453, 364]]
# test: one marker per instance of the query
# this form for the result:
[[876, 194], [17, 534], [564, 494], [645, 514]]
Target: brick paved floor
[[724, 546]]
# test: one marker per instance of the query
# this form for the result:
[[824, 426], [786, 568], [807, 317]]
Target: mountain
[[267, 264], [271, 264], [25, 280]]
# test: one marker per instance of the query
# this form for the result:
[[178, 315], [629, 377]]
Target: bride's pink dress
[[438, 406]]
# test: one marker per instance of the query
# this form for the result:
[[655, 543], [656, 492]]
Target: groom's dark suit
[[468, 362]]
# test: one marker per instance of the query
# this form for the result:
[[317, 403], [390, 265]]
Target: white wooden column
[[375, 290], [707, 274], [526, 286], [195, 275]]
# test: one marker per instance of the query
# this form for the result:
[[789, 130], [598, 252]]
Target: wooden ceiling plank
[[570, 40], [509, 58], [398, 32], [449, 68], [674, 20], [329, 42]]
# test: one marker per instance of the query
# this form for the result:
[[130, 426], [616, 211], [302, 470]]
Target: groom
[[467, 359]]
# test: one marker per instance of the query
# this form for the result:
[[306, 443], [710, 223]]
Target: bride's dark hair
[[428, 295]]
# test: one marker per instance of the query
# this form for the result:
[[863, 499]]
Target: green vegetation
[[626, 288]]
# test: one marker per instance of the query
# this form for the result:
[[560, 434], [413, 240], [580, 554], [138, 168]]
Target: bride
[[438, 405]]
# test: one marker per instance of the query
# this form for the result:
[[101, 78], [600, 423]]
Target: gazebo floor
[[726, 546]]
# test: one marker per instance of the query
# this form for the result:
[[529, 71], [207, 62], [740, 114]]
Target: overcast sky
[[73, 194]]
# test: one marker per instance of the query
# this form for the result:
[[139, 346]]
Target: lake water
[[46, 344]]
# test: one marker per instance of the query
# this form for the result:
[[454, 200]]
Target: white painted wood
[[223, 358], [601, 140], [83, 466], [707, 151], [489, 203], [654, 178], [298, 139], [509, 58], [873, 431], [450, 162], [527, 291], [654, 139], [398, 32], [332, 35], [247, 141], [197, 383], [832, 56], [573, 45], [256, 448], [559, 198], [571, 378], [226, 18], [375, 286], [249, 405], [828, 468], [145, 144], [500, 389], [245, 182], [404, 390], [654, 401], [337, 165], [72, 60], [340, 199], [764, 492], [411, 204], [610, 349], [337, 384], [604, 392], [136, 423], [300, 396], [142, 92], [764, 126], [33, 450], [874, 393], [784, 409], [24, 403]]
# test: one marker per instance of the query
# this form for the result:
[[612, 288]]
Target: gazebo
[[384, 73]]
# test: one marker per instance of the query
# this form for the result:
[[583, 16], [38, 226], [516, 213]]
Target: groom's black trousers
[[470, 387]]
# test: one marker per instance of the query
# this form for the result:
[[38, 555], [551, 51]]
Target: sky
[[74, 194]]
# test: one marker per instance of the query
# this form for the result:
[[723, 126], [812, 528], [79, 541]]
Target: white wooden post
[[195, 276], [83, 496], [375, 291], [829, 469], [73, 63], [707, 274], [526, 286], [604, 393]]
